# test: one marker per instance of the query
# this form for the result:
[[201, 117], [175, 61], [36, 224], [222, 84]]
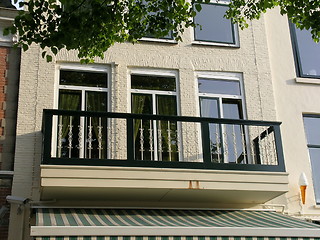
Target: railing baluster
[[60, 126], [151, 139], [226, 147], [235, 153], [108, 139], [70, 136], [100, 148], [178, 141], [160, 140], [80, 140], [141, 139], [169, 140], [261, 156], [89, 138], [274, 149]]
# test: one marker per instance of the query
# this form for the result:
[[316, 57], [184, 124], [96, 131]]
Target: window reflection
[[214, 27], [307, 53]]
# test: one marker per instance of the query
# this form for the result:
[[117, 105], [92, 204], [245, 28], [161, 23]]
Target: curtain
[[138, 105], [167, 105]]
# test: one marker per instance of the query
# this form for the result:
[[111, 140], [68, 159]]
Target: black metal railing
[[134, 140]]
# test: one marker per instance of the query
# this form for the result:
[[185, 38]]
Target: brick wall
[[5, 184], [4, 55]]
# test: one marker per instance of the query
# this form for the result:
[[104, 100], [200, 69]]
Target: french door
[[82, 137], [155, 140]]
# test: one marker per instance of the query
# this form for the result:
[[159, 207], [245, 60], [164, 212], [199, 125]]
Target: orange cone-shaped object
[[303, 193]]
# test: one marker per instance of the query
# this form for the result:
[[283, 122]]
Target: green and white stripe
[[140, 224]]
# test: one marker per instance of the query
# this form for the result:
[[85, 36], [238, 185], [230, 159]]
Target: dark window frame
[[296, 53], [234, 43]]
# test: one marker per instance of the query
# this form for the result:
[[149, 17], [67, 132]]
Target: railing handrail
[[160, 117]]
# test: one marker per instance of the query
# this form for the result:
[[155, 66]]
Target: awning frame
[[37, 231]]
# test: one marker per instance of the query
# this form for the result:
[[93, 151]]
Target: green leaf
[[25, 47], [198, 7], [49, 58]]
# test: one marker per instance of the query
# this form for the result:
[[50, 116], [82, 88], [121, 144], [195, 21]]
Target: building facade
[[166, 125], [9, 82]]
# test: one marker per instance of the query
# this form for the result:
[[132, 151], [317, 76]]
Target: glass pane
[[88, 79], [309, 53], [209, 108], [153, 82], [69, 100], [312, 128], [166, 105], [68, 131], [96, 127], [315, 164], [219, 86], [96, 101], [214, 27], [234, 135], [152, 18], [167, 130], [143, 129]]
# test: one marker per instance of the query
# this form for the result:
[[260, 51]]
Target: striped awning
[[139, 224]]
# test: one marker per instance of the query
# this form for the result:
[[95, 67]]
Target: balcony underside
[[133, 185]]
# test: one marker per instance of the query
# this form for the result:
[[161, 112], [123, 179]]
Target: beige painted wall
[[292, 100]]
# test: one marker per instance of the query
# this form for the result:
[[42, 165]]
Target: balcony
[[160, 158]]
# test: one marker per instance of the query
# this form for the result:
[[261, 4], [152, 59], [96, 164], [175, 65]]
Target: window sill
[[158, 40], [215, 44], [309, 81], [317, 206]]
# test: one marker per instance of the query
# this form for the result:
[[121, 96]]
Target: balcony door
[[223, 99], [155, 140], [82, 137]]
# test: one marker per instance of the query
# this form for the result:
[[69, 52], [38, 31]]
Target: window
[[214, 27], [155, 94], [150, 37], [312, 129], [81, 90], [307, 53], [221, 97]]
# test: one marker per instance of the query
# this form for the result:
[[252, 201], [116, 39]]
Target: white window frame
[[83, 89], [158, 40], [159, 73], [212, 43]]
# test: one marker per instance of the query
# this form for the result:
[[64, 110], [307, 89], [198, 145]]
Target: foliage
[[305, 14], [93, 26]]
